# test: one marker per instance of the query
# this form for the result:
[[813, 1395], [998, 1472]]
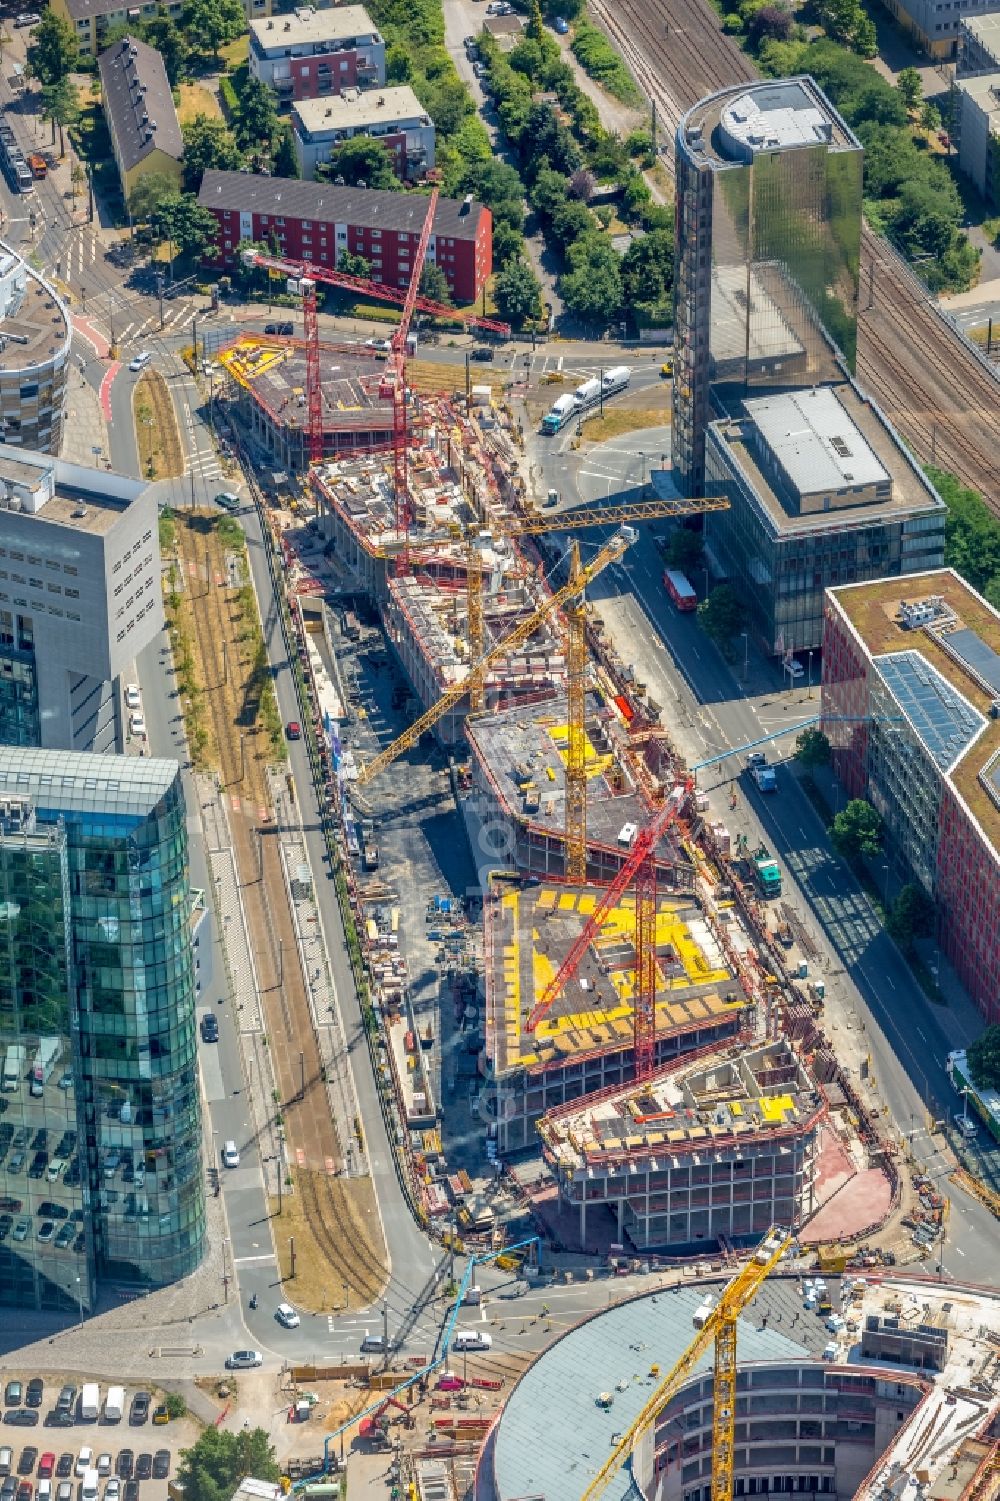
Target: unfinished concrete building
[[267, 381], [584, 1043], [718, 1148], [518, 762]]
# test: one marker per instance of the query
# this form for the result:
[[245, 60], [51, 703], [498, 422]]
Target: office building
[[318, 222], [91, 20], [35, 338], [100, 1140], [822, 493], [393, 116], [979, 45], [977, 132], [139, 111], [80, 597], [911, 689], [312, 53], [717, 1149], [761, 305], [937, 26]]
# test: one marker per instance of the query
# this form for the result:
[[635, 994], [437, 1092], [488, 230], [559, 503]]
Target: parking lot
[[50, 1451]]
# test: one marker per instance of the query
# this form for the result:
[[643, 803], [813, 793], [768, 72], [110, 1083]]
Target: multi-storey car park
[[713, 1150], [584, 1043], [893, 1405], [911, 699]]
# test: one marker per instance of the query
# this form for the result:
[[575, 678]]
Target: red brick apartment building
[[317, 222]]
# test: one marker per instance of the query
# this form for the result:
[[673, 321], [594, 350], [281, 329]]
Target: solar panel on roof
[[980, 657], [945, 721]]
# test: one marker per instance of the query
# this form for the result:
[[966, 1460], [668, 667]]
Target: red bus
[[680, 590]]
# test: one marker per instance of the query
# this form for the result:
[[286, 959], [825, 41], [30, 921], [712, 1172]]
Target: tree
[[434, 283], [812, 749], [648, 277], [536, 29], [284, 162], [548, 192], [571, 220], [517, 293], [983, 1057], [591, 288], [507, 243], [685, 548], [147, 195], [190, 229], [256, 119], [361, 159], [77, 178], [61, 106], [857, 830], [398, 63], [212, 23], [213, 1467], [170, 42], [582, 184], [771, 23], [208, 145], [54, 50], [911, 916], [909, 87], [354, 265], [722, 616]]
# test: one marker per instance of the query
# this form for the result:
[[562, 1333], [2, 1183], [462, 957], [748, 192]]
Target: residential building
[[312, 53], [506, 31], [759, 305], [318, 222], [80, 597], [822, 493], [393, 116], [35, 339], [938, 26], [92, 19], [139, 110], [911, 698], [97, 1029]]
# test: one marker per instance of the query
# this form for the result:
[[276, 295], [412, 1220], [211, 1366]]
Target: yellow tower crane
[[611, 552], [719, 1324]]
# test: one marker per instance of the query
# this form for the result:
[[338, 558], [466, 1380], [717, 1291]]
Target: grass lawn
[[234, 54], [196, 99], [618, 420]]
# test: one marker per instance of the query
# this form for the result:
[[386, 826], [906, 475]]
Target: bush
[[597, 57], [228, 96]]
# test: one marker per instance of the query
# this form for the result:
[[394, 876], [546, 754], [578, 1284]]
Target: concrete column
[[583, 1221]]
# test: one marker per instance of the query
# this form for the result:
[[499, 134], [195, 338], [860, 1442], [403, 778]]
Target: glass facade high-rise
[[100, 1134], [767, 254]]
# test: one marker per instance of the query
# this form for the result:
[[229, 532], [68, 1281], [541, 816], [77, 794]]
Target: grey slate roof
[[322, 203], [134, 83]]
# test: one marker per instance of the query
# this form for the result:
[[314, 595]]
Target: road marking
[[245, 1260], [888, 981], [920, 1032], [959, 1250]]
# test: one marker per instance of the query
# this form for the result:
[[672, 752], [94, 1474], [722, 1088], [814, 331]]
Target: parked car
[[228, 501], [293, 730], [561, 25], [244, 1360], [46, 1465], [133, 699], [144, 1466], [138, 1413], [64, 1466], [6, 1459], [209, 1028], [137, 726], [29, 1458], [161, 1464], [34, 1392], [13, 1393]]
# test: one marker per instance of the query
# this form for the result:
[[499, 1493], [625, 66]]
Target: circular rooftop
[[769, 117], [552, 1436]]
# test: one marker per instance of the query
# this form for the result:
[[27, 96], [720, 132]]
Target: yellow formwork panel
[[777, 1108], [567, 902], [595, 765], [546, 899]]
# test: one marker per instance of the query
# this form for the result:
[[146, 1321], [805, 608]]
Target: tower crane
[[576, 653], [717, 1324], [307, 276], [611, 552]]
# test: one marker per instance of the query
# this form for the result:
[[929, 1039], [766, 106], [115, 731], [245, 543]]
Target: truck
[[982, 1103], [39, 166], [13, 1067], [90, 1402], [767, 872], [369, 845], [563, 408], [48, 1055], [762, 774], [587, 395], [680, 589], [616, 379]]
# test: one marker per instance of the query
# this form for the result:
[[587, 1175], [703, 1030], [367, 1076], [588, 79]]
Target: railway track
[[942, 398]]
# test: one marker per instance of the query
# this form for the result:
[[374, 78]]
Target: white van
[[471, 1339], [89, 1485], [90, 1402], [114, 1404], [230, 1155]]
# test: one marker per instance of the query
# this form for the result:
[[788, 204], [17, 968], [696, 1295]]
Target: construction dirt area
[[338, 1239]]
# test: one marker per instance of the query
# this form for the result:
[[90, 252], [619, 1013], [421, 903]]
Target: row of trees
[[971, 537], [910, 191]]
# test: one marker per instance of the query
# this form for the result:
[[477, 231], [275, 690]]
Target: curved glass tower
[[97, 1030]]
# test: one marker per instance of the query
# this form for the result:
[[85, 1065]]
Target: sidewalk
[[84, 426]]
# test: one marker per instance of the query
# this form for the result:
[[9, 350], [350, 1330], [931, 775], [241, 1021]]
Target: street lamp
[[809, 679], [885, 867], [744, 637], [79, 1300]]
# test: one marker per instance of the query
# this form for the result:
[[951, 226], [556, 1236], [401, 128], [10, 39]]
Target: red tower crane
[[638, 870], [410, 300]]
